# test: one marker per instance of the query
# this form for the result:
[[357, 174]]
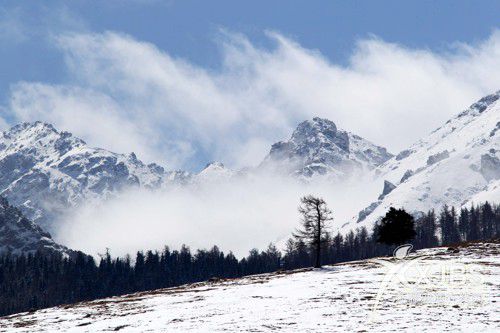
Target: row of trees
[[312, 244], [40, 280]]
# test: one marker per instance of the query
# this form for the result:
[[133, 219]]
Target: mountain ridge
[[44, 171], [454, 164]]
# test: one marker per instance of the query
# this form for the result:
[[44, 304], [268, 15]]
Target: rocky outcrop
[[433, 159], [388, 187], [490, 167], [406, 175]]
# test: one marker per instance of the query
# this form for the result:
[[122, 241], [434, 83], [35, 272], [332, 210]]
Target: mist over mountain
[[46, 172], [53, 176]]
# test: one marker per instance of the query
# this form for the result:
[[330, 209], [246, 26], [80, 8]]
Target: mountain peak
[[33, 127], [28, 133], [214, 165], [319, 130], [213, 172], [318, 147]]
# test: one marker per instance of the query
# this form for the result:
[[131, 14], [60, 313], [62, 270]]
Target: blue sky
[[327, 33], [187, 28]]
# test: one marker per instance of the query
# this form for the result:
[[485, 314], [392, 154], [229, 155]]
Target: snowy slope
[[338, 298], [456, 164], [44, 171], [18, 235], [318, 147]]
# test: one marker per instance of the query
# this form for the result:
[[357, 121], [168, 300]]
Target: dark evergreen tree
[[497, 221], [290, 255], [448, 223], [474, 227], [350, 246], [396, 227], [425, 231], [464, 224], [337, 248], [487, 221], [272, 258]]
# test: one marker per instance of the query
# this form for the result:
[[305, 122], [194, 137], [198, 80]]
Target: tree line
[[39, 280]]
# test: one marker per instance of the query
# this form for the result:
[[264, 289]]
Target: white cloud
[[237, 215], [91, 114], [129, 95]]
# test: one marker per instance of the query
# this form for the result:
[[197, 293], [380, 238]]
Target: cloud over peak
[[128, 95]]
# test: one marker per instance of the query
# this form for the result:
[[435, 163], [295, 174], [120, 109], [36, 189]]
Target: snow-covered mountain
[[213, 172], [318, 147], [340, 298], [44, 171], [18, 235], [456, 164]]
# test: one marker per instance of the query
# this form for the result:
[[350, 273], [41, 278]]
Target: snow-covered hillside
[[18, 235], [44, 171], [318, 147], [339, 298], [456, 164]]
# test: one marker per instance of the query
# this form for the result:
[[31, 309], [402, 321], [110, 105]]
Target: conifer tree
[[315, 216], [396, 227], [463, 223], [487, 221], [474, 228]]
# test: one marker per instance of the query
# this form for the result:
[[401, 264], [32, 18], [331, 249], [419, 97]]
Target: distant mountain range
[[45, 172]]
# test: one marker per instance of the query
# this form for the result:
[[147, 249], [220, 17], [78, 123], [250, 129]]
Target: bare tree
[[314, 231]]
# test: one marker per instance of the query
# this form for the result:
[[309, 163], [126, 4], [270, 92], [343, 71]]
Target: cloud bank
[[236, 215], [127, 95]]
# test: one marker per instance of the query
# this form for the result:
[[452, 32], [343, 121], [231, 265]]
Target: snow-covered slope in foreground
[[338, 298], [456, 164]]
